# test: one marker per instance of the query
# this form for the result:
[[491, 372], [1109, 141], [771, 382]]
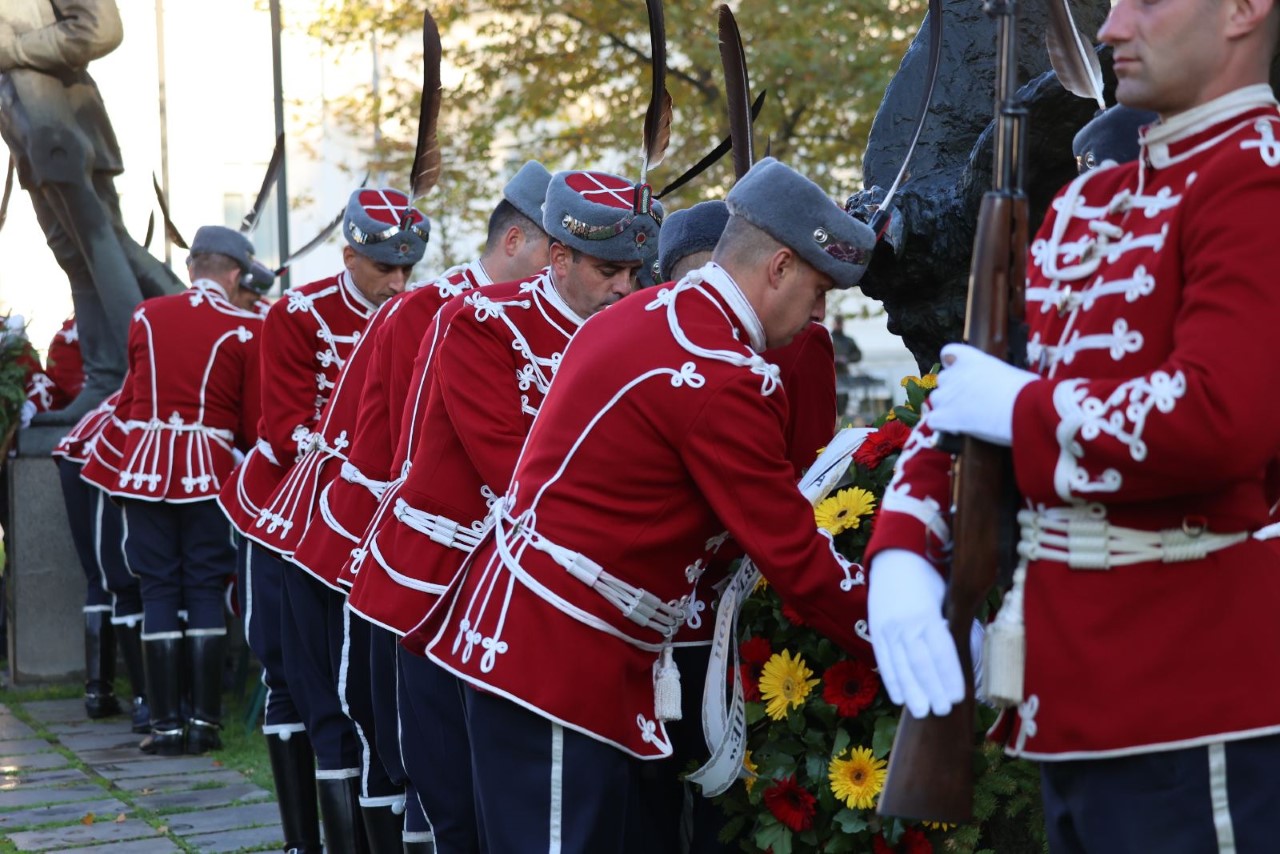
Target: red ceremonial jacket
[[78, 443], [324, 543], [662, 436], [494, 362], [309, 335], [1151, 291], [190, 397], [383, 471], [63, 363]]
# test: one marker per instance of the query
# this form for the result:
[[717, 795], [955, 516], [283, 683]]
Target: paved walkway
[[69, 784]]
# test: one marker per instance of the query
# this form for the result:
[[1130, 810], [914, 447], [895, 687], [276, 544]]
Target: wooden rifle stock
[[930, 774]]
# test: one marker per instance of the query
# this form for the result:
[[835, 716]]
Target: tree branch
[[709, 92]]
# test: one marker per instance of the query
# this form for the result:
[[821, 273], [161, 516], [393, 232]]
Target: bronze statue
[[922, 278], [54, 121]]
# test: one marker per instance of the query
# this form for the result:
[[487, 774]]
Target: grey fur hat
[[602, 215], [381, 224], [1110, 135], [220, 240], [260, 278], [794, 211], [527, 190], [695, 229]]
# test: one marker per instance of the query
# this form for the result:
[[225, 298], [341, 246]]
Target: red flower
[[755, 651], [889, 439], [793, 616], [850, 686], [790, 803], [750, 682], [913, 841]]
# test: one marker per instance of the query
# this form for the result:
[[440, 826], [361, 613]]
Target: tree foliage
[[567, 83]]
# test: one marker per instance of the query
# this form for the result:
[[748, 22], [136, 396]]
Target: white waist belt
[[444, 531], [351, 474], [181, 427], [1082, 538], [636, 604], [264, 447]]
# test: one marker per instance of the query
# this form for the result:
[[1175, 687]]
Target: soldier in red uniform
[[494, 360], [662, 436], [806, 368], [310, 335], [113, 603], [189, 401], [377, 379], [1144, 606]]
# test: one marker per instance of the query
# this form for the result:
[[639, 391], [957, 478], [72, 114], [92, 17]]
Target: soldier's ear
[[1253, 18]]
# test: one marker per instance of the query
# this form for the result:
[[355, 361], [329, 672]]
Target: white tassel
[[1005, 657], [666, 687]]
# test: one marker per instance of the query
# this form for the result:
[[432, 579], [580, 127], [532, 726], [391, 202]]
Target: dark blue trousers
[[312, 642], [371, 717], [545, 787], [679, 818], [1220, 797], [182, 554], [437, 758], [97, 532], [258, 587]]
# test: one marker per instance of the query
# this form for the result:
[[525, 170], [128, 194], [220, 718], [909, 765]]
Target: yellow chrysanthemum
[[750, 765], [857, 780], [845, 510], [928, 381], [937, 825], [784, 684], [891, 416], [905, 381], [761, 583]]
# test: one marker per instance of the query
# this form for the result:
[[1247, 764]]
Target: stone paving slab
[[62, 838], [83, 727], [158, 845], [33, 779], [32, 762], [177, 782], [83, 741], [220, 796], [236, 840], [57, 711], [225, 818], [11, 728], [104, 810], [23, 746], [201, 805], [155, 766], [25, 797]]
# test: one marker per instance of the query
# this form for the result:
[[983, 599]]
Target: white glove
[[237, 456], [914, 650], [25, 415], [975, 395]]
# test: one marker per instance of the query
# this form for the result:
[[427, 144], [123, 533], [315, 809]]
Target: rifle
[[930, 773]]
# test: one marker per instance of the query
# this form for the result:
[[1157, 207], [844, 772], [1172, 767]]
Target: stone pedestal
[[44, 585]]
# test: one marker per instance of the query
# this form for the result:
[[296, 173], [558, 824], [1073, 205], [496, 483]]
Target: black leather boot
[[293, 765], [340, 814], [162, 663], [129, 640], [383, 828], [205, 674], [99, 665]]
